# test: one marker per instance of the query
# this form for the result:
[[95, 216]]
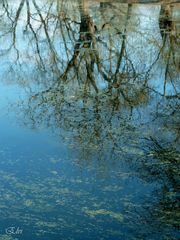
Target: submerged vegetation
[[102, 79]]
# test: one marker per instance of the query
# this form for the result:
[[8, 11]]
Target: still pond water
[[89, 120]]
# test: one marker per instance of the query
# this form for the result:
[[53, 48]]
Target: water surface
[[89, 120]]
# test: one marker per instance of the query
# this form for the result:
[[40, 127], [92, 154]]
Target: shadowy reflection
[[105, 78], [75, 46]]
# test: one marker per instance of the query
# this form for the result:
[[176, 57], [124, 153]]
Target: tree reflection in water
[[105, 77]]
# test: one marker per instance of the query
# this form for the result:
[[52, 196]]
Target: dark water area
[[89, 120]]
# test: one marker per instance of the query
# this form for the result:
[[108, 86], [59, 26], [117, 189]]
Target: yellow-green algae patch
[[5, 237], [93, 213]]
